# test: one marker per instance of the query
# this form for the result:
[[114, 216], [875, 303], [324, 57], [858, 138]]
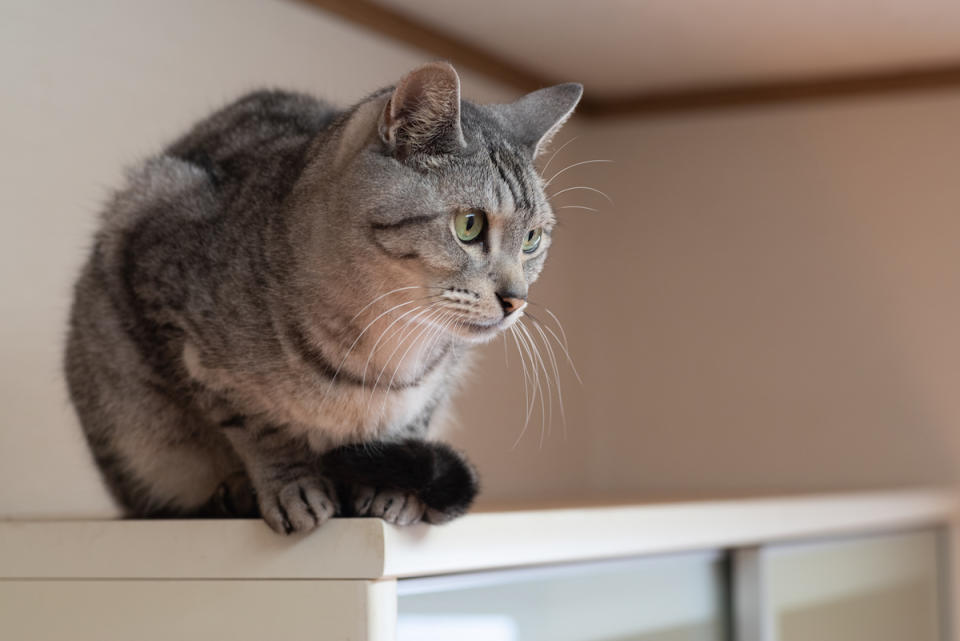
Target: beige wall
[[769, 305], [772, 304]]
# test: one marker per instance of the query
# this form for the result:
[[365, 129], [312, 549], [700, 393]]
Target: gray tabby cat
[[277, 307]]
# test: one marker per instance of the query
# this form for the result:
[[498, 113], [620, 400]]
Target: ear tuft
[[538, 116], [423, 113]]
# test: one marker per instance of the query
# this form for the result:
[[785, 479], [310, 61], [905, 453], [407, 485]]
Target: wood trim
[[400, 27], [780, 91], [415, 33]]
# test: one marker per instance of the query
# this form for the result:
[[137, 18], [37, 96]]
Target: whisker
[[381, 296], [530, 371], [423, 331], [564, 345], [554, 155], [373, 349], [436, 313], [538, 390], [585, 188], [569, 167], [556, 371], [555, 320], [547, 415], [526, 393], [577, 207], [364, 331]]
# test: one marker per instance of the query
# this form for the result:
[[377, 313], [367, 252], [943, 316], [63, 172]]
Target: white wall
[[770, 305]]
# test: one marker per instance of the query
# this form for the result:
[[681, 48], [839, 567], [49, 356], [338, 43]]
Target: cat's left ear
[[423, 113], [535, 118]]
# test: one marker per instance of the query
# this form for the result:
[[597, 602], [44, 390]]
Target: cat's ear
[[536, 117], [423, 113]]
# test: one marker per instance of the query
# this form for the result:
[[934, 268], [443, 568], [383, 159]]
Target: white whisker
[[413, 325], [564, 345], [381, 296], [556, 371], [547, 412], [538, 385], [423, 331], [526, 389], [554, 155], [569, 167], [364, 331], [363, 379], [583, 187]]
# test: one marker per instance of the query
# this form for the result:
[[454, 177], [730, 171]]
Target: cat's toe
[[397, 507], [363, 500], [413, 511], [234, 498], [300, 506]]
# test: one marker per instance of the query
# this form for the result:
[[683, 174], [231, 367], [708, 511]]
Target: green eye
[[469, 224], [532, 240]]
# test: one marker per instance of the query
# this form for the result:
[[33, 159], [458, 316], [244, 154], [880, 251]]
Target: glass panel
[[883, 588], [678, 598]]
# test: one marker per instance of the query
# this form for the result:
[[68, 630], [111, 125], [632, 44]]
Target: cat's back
[[259, 141], [234, 142]]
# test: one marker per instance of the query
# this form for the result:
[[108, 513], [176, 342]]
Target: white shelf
[[370, 549]]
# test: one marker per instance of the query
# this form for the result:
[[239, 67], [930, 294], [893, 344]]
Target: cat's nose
[[511, 302]]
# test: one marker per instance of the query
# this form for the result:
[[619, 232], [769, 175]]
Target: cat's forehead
[[496, 168]]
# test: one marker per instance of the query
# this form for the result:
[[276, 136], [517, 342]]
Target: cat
[[278, 306]]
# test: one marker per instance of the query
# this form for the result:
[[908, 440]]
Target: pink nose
[[510, 304]]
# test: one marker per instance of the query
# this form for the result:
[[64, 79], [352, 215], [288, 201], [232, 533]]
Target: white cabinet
[[854, 567], [675, 597], [875, 588]]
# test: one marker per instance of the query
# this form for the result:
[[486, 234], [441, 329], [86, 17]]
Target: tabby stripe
[[503, 177], [516, 169], [406, 222], [237, 420]]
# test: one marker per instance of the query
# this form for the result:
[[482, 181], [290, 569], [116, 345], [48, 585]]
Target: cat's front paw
[[403, 482], [297, 505]]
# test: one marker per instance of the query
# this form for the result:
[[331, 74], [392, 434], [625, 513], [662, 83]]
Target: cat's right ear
[[422, 114]]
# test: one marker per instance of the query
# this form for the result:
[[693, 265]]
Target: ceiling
[[629, 51]]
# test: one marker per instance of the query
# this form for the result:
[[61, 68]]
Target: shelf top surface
[[371, 549]]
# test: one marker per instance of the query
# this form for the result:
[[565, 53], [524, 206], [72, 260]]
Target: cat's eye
[[469, 224], [532, 240]]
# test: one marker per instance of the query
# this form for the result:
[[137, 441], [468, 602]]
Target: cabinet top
[[371, 549]]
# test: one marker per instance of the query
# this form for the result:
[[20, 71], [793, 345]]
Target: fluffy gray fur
[[286, 279]]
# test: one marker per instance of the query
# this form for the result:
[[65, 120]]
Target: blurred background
[[769, 304]]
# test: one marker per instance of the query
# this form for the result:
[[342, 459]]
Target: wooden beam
[[417, 34], [422, 36], [778, 91]]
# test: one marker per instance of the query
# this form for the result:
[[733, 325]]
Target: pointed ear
[[536, 117], [423, 113]]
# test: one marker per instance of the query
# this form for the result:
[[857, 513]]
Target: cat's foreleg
[[402, 482], [291, 490]]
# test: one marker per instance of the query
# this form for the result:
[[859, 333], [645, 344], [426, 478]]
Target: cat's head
[[439, 195]]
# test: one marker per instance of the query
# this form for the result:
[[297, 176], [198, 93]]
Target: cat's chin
[[484, 332]]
